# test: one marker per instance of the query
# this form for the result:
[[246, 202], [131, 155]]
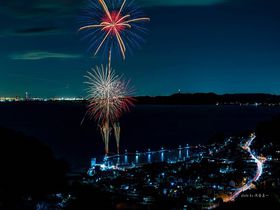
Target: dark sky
[[222, 46]]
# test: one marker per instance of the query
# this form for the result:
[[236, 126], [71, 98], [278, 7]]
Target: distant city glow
[[14, 99]]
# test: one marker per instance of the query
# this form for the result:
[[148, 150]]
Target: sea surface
[[146, 126]]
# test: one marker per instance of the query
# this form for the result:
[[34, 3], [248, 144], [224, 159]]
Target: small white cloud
[[39, 55]]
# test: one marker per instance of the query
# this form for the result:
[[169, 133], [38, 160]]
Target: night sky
[[221, 46]]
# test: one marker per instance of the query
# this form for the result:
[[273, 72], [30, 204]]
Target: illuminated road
[[256, 177], [131, 160]]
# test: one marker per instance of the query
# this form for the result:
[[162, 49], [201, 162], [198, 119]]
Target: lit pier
[[137, 159]]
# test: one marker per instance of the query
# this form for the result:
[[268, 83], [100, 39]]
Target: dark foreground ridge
[[32, 178]]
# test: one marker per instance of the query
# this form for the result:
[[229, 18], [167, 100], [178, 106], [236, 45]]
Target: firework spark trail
[[109, 98], [117, 132], [113, 22]]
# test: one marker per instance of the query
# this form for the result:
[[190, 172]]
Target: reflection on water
[[146, 127]]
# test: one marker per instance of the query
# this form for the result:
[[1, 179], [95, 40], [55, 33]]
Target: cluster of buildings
[[28, 98], [191, 176], [271, 176]]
